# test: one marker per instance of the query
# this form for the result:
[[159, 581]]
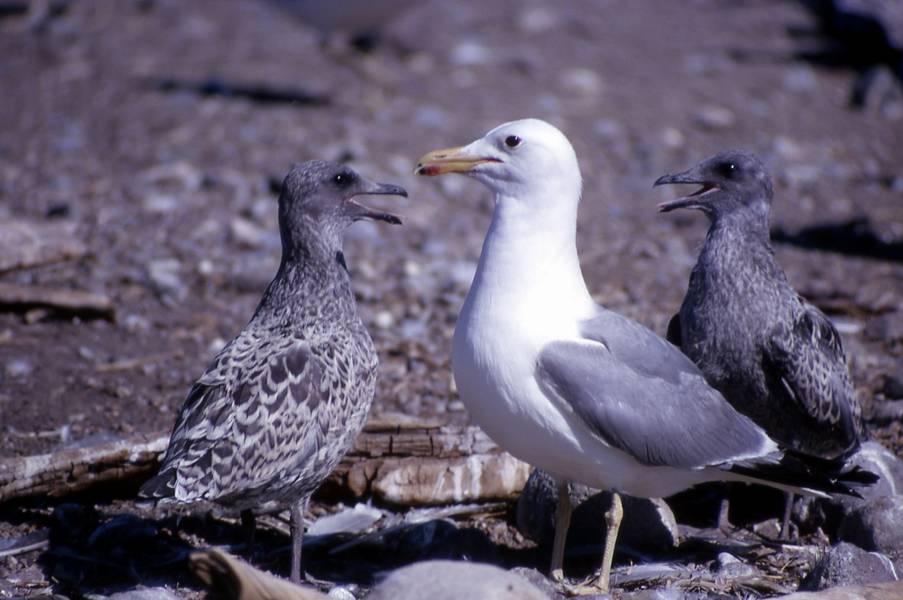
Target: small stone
[[383, 319], [245, 233], [164, 277], [469, 53], [800, 79], [18, 367], [454, 580], [341, 592], [581, 81], [160, 203], [877, 526], [715, 117], [846, 564], [537, 19], [673, 138]]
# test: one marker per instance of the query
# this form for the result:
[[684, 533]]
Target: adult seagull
[[569, 386]]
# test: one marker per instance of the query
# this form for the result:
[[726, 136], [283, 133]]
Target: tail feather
[[161, 485], [795, 470]]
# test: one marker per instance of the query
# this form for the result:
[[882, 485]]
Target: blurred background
[[143, 144]]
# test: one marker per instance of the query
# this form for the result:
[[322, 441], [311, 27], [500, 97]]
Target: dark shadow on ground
[[855, 237]]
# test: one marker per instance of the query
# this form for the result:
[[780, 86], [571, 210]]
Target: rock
[[157, 593], [877, 526], [874, 591], [893, 385], [648, 524], [846, 564], [874, 457], [666, 594], [453, 580], [540, 581]]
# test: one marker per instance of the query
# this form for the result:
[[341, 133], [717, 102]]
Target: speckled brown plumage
[[280, 405]]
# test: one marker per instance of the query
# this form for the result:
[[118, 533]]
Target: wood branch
[[28, 297], [410, 464], [78, 469]]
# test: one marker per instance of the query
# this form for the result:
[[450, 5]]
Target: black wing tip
[[812, 473], [157, 487]]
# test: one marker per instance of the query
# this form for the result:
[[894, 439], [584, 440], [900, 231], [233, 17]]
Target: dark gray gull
[[567, 385], [282, 402], [774, 356]]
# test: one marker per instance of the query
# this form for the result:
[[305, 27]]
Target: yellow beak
[[448, 160]]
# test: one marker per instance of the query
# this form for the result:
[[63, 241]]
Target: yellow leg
[[562, 523], [613, 523]]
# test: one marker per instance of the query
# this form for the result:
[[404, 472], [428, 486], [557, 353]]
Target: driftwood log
[[407, 464]]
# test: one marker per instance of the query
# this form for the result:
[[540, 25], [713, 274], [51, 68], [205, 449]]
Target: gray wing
[[250, 417], [643, 396], [806, 365]]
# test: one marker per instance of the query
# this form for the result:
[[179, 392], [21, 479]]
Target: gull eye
[[512, 141], [728, 169], [343, 179]]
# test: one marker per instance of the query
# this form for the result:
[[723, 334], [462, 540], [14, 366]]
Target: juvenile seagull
[[775, 357], [284, 400], [563, 383]]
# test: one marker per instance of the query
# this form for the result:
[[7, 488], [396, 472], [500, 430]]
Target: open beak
[[694, 200], [377, 189], [449, 160]]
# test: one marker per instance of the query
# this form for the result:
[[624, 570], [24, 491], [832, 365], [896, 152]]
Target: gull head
[[323, 197], [516, 159], [729, 180]]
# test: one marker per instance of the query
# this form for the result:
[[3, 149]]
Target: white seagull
[[569, 386]]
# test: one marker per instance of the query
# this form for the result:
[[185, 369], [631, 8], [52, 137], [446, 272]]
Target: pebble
[[164, 277], [19, 367], [537, 19], [800, 79], [469, 53], [341, 592], [581, 81], [715, 117]]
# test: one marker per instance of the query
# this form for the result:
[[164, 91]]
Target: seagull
[[775, 357], [281, 403], [563, 383]]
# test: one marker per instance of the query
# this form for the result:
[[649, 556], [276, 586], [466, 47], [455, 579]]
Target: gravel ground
[[171, 190]]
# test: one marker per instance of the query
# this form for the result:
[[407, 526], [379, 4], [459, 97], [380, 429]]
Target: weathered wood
[[78, 469], [409, 464], [27, 297]]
